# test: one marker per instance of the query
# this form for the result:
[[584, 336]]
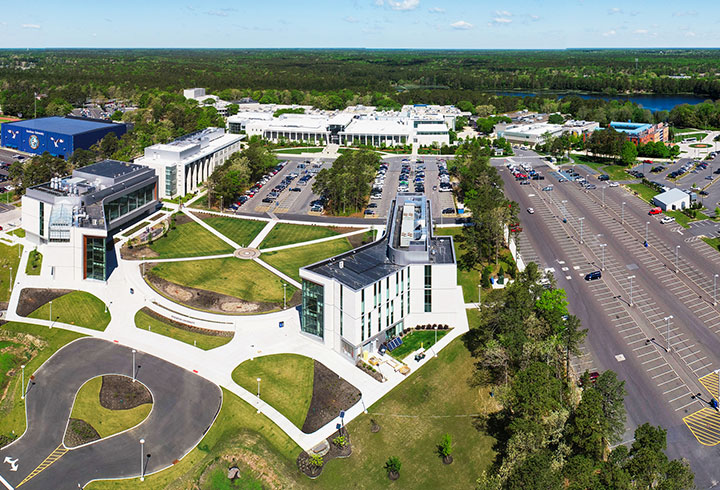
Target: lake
[[652, 102]]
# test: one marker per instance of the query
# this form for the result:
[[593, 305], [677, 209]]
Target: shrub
[[340, 441], [316, 460], [445, 446], [392, 465]]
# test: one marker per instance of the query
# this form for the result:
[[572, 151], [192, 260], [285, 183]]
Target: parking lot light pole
[[22, 395], [603, 194], [647, 223], [631, 290], [581, 228], [603, 245], [50, 311], [677, 254], [623, 213], [284, 296], [133, 365], [715, 290], [667, 319], [258, 396], [142, 459]]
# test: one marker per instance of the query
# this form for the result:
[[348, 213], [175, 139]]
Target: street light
[[11, 279], [284, 295], [631, 291], [677, 253], [258, 395], [603, 195], [623, 213], [133, 365], [22, 396], [581, 228], [647, 223], [50, 313], [435, 346], [480, 294], [142, 459], [667, 319], [603, 245], [715, 290]]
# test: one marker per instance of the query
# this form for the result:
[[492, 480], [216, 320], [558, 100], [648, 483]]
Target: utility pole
[[581, 228], [623, 213], [677, 253], [284, 296], [22, 395], [142, 459], [647, 223], [715, 277], [133, 365], [667, 319], [258, 395]]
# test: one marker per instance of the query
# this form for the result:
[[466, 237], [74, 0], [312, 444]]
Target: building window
[[387, 287], [397, 283], [387, 314], [42, 219], [392, 312], [362, 301], [341, 310], [95, 258], [170, 181], [124, 205], [375, 295], [428, 288], [362, 326], [369, 325], [312, 309]]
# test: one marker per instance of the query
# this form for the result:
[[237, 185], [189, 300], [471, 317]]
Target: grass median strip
[[76, 308], [290, 260], [34, 264], [145, 321], [9, 263], [286, 383]]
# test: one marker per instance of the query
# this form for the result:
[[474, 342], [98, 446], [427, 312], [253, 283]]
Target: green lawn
[[19, 232], [437, 399], [242, 279], [9, 263], [467, 279], [604, 166], [76, 308], [680, 218], [34, 264], [644, 192], [412, 341], [189, 240], [40, 343], [713, 242], [681, 136], [237, 428], [286, 383], [297, 151], [287, 233], [241, 231], [135, 229], [201, 341], [106, 422], [290, 260]]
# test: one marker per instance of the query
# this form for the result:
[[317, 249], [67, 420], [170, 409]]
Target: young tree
[[629, 153], [586, 428]]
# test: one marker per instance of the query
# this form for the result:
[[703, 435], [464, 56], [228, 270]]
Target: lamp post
[[631, 290], [715, 290], [677, 254], [10, 281], [623, 213], [435, 346], [581, 228], [133, 365], [667, 319], [22, 395], [480, 294], [284, 296], [564, 208], [258, 395], [603, 245], [647, 224], [603, 195], [142, 459], [50, 312]]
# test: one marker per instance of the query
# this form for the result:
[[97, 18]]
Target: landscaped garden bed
[[331, 395], [202, 338]]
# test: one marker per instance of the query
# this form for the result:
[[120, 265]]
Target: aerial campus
[[366, 268]]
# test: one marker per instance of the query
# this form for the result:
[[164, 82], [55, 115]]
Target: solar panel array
[[394, 344]]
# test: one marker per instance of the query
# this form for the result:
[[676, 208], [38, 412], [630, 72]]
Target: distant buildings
[[59, 136], [358, 300], [534, 133], [199, 94], [184, 164], [643, 133], [422, 125], [672, 200], [75, 217]]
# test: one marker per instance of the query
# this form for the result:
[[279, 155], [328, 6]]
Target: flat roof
[[63, 125], [533, 129], [110, 168], [376, 126], [671, 196], [629, 127]]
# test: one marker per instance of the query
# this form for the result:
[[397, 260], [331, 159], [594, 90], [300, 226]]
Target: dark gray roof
[[360, 267], [110, 168]]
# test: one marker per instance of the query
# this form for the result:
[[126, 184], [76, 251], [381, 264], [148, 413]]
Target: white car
[[530, 210], [667, 219], [612, 184]]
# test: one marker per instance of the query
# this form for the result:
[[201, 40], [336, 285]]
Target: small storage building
[[672, 200]]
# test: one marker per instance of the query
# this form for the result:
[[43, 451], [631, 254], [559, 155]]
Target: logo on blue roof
[[34, 142]]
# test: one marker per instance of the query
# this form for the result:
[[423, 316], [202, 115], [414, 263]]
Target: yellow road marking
[[710, 382], [54, 456], [705, 426]]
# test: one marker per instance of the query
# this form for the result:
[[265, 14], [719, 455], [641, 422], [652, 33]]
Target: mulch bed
[[202, 299], [185, 326], [331, 394], [80, 432], [358, 240], [33, 298], [311, 471], [120, 393]]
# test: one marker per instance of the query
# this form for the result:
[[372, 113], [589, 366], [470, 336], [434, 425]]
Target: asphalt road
[[660, 385], [184, 408]]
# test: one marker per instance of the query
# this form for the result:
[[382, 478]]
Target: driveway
[[184, 408]]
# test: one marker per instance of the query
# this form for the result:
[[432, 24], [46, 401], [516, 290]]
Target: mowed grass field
[[241, 231], [9, 262], [288, 233], [106, 422], [76, 308], [242, 279], [290, 260], [46, 342], [189, 240], [201, 341], [286, 383]]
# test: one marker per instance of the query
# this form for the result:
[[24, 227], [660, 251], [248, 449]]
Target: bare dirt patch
[[202, 299], [184, 326], [120, 393], [33, 298], [359, 240], [137, 253], [331, 394], [79, 432]]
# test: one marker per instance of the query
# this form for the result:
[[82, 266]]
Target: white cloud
[[436, 10], [640, 31], [403, 4], [503, 13], [501, 20], [350, 19], [609, 33], [615, 10], [461, 25], [30, 26], [690, 34], [224, 12]]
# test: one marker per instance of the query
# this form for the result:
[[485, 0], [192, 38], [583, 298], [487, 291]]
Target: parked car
[[593, 275], [530, 210], [547, 188], [655, 211], [448, 211], [667, 219], [613, 184], [603, 177]]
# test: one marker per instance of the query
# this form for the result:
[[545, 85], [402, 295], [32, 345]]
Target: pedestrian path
[[313, 242], [282, 275], [263, 233], [213, 231]]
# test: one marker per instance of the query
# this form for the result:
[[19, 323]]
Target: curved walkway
[[173, 427]]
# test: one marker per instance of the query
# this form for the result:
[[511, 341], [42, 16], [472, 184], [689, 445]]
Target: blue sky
[[471, 24]]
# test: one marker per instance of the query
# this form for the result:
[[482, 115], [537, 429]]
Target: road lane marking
[[705, 426], [5, 483], [58, 453]]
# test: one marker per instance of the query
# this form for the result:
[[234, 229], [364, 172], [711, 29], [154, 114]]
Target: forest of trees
[[347, 183]]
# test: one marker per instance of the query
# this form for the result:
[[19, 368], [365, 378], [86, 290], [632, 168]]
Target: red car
[[654, 211], [516, 229]]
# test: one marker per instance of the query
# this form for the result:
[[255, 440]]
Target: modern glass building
[[73, 219]]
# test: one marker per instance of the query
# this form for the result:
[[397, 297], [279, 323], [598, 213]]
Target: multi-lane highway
[[628, 311]]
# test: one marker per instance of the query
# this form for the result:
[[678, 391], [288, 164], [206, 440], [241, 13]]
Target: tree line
[[347, 184], [238, 173]]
